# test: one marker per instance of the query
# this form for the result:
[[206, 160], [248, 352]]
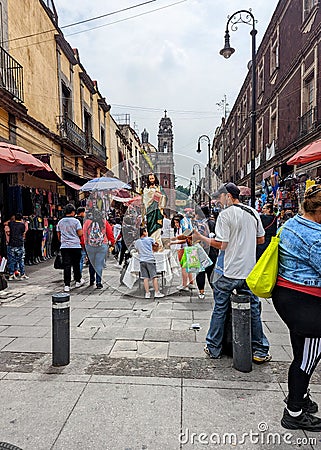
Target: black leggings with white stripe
[[302, 315]]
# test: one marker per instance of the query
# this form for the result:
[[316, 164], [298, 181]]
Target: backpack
[[95, 235]]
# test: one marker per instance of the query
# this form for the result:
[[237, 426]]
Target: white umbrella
[[104, 184]]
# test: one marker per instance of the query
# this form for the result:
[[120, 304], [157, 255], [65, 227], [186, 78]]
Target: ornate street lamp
[[202, 138], [199, 171], [245, 16]]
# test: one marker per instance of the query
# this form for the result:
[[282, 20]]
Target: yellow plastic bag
[[262, 277]]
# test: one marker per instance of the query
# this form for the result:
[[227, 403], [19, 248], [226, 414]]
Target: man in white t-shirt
[[238, 230]]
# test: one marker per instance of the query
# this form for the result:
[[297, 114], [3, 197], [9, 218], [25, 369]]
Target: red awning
[[15, 159], [72, 185], [309, 153]]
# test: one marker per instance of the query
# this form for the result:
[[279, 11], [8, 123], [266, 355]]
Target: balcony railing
[[308, 121], [11, 75], [97, 149], [69, 130]]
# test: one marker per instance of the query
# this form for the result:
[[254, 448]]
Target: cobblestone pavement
[[138, 378], [116, 321]]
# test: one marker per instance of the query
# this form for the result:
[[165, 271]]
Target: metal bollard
[[241, 330], [60, 329]]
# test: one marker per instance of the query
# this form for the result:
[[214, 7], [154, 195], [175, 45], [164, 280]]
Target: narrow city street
[[138, 377]]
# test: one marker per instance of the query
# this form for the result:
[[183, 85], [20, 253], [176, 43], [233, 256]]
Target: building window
[[308, 5], [244, 110], [102, 137], [308, 118], [273, 122], [233, 131], [259, 141], [66, 101], [274, 53], [260, 81]]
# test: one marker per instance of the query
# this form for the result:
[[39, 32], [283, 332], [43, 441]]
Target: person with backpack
[[97, 234]]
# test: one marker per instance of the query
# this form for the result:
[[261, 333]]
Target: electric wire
[[127, 18], [80, 22]]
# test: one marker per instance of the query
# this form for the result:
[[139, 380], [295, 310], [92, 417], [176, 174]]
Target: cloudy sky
[[165, 55]]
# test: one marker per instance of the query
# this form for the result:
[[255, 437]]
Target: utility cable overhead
[[82, 21], [127, 18], [106, 15]]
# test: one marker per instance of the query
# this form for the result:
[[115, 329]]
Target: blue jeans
[[223, 288], [82, 259], [16, 259], [96, 257]]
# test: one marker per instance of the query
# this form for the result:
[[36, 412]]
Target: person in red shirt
[[97, 234]]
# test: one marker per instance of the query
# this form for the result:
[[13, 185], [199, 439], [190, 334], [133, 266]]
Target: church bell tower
[[164, 166]]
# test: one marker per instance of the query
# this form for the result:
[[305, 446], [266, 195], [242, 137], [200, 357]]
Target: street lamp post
[[201, 138], [246, 16], [199, 180], [199, 171]]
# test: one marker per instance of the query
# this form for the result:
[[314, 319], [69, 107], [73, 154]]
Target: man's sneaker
[[12, 277], [147, 295], [182, 288], [191, 286], [261, 359], [80, 283], [24, 277], [99, 286], [67, 289], [209, 354], [201, 295], [304, 421], [159, 295], [307, 405]]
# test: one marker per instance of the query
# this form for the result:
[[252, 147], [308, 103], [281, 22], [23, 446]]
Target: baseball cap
[[228, 188]]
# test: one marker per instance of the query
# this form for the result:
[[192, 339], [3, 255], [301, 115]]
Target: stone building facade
[[288, 114]]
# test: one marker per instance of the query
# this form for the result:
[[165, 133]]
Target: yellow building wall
[[111, 144], [4, 124], [65, 66], [86, 96], [37, 55], [77, 111], [36, 142]]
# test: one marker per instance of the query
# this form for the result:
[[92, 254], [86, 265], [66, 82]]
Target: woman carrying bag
[[97, 233], [297, 299]]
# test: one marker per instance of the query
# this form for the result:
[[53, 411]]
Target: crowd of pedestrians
[[233, 238]]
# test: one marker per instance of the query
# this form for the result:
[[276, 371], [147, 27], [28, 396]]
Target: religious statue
[[154, 202]]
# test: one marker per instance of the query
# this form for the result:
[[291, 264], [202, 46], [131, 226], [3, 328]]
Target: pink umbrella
[[309, 153], [15, 159]]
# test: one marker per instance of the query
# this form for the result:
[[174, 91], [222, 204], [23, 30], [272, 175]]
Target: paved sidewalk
[[116, 321], [138, 378]]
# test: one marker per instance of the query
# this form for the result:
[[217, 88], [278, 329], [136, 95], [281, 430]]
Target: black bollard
[[60, 329], [241, 330]]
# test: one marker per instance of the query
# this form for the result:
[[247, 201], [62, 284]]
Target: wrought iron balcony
[[69, 130], [97, 149], [308, 121], [11, 75]]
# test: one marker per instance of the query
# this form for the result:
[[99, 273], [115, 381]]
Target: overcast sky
[[165, 58]]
